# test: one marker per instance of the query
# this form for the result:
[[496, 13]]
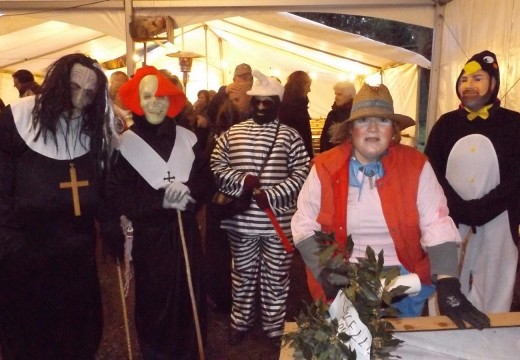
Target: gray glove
[[177, 196], [309, 250], [175, 191], [330, 281], [179, 205]]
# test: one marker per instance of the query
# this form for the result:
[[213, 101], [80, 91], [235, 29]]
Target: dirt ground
[[255, 345]]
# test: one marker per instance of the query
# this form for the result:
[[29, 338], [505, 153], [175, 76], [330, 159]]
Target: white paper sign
[[349, 322]]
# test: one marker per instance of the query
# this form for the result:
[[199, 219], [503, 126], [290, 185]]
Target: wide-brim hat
[[376, 101]]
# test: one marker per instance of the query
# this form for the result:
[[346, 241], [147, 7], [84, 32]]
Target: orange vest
[[398, 193]]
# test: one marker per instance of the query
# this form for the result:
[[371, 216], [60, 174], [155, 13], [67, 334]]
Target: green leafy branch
[[317, 336]]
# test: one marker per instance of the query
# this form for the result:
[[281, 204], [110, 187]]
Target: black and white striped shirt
[[241, 151]]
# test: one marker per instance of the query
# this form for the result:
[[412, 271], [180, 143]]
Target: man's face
[[340, 98], [265, 108], [244, 79], [475, 89], [154, 107], [241, 100], [83, 83]]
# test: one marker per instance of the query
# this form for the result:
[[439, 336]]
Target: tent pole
[[435, 70], [221, 54], [206, 54], [130, 46]]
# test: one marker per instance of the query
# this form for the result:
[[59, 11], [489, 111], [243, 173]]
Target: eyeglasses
[[366, 122], [265, 102]]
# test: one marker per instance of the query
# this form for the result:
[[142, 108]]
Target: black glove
[[457, 307], [261, 199], [332, 282], [251, 182]]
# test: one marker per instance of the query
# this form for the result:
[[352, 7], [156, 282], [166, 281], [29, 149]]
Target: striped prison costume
[[256, 248]]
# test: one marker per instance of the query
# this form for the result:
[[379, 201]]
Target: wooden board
[[428, 323], [437, 338]]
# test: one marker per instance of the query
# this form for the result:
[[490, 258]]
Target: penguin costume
[[475, 155]]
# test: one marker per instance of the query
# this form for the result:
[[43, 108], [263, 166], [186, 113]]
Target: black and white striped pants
[[259, 258]]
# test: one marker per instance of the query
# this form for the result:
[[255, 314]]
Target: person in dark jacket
[[242, 82], [344, 92], [294, 108]]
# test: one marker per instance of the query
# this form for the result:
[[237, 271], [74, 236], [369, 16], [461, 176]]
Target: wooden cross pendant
[[74, 184]]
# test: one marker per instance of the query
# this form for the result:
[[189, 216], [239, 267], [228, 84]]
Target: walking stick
[[125, 312], [190, 286], [128, 232]]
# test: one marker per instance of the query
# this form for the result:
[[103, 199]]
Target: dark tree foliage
[[411, 37]]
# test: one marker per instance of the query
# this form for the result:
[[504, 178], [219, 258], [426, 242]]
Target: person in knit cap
[[154, 174], [384, 195], [266, 163], [475, 154]]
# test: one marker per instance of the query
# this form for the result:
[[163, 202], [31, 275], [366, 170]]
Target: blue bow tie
[[370, 170]]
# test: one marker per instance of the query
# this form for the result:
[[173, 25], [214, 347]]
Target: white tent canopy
[[275, 43], [460, 30]]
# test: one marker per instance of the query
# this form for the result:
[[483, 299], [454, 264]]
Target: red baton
[[279, 231]]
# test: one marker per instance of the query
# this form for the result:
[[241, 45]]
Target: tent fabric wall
[[276, 43], [465, 29], [466, 32], [280, 62]]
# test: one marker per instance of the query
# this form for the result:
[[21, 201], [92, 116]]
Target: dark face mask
[[265, 110]]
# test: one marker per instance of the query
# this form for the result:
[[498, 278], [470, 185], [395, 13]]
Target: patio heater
[[185, 63]]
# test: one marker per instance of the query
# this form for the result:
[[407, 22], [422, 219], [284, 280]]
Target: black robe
[[294, 113], [338, 114], [50, 303], [163, 311]]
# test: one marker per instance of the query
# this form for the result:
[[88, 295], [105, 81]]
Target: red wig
[[129, 92]]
